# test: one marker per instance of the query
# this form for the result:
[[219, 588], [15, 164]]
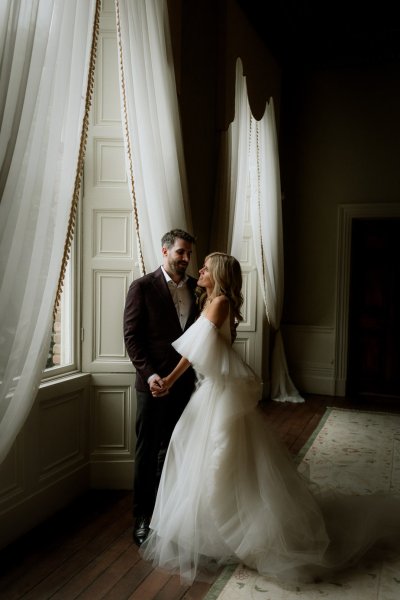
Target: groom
[[159, 307]]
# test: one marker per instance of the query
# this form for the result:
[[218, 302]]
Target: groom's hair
[[168, 239]]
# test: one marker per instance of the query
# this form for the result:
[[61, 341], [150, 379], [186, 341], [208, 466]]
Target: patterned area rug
[[357, 452]]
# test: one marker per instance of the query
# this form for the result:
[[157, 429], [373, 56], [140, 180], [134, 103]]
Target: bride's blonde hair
[[226, 274]]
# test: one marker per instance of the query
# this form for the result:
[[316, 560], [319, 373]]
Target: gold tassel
[[128, 142], [81, 157]]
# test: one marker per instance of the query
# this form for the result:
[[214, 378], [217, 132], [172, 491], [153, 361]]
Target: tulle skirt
[[231, 492]]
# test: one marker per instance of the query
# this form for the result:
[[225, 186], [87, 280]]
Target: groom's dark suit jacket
[[151, 324]]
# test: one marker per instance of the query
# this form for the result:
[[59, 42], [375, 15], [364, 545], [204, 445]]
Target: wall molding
[[48, 464], [311, 352]]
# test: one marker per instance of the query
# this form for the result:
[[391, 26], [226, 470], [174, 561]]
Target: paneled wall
[[250, 331], [109, 265], [49, 463]]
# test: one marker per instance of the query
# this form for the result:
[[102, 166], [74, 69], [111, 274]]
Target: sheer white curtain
[[153, 139], [255, 179], [43, 83]]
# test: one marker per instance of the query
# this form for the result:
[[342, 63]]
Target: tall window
[[63, 350]]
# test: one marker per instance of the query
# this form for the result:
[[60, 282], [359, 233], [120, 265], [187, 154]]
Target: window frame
[[56, 372]]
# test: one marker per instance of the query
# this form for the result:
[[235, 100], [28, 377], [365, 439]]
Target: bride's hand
[[167, 382], [163, 390], [157, 387]]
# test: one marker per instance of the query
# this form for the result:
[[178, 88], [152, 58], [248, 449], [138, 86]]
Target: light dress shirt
[[181, 296]]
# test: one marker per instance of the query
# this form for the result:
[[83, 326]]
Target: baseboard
[[310, 357], [112, 475], [314, 379]]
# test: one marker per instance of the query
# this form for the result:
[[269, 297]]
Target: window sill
[[69, 382]]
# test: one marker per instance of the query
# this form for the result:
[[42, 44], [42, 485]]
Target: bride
[[230, 492]]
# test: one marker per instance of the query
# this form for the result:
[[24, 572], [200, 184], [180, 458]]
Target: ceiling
[[328, 33]]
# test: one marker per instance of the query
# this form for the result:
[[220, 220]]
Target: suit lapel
[[165, 297], [164, 294]]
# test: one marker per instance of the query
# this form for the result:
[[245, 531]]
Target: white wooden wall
[[109, 265], [250, 331], [48, 465]]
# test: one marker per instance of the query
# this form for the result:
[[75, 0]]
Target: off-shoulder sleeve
[[210, 354]]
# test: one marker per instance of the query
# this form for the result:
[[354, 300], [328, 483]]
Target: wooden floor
[[86, 550]]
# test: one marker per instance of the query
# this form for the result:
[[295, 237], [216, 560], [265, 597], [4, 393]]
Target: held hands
[[157, 387], [160, 387]]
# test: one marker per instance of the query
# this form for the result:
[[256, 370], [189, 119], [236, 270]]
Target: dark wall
[[207, 37], [340, 144]]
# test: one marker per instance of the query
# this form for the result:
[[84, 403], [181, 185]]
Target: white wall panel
[[249, 290], [111, 420], [11, 475], [108, 8], [107, 104], [61, 434], [110, 288], [245, 347], [312, 357], [113, 413], [111, 234], [109, 166], [249, 342]]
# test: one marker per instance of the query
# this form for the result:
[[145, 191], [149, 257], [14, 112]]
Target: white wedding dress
[[231, 492]]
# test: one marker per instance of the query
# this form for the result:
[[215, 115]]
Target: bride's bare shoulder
[[218, 310], [221, 300]]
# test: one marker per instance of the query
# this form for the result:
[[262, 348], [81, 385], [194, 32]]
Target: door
[[374, 311]]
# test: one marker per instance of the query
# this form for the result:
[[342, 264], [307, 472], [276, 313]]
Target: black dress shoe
[[141, 530]]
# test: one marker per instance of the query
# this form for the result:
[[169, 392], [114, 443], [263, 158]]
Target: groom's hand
[[157, 387]]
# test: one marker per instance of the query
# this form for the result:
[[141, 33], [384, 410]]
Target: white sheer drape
[[153, 137], [255, 178], [43, 82]]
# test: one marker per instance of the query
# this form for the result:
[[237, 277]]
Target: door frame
[[346, 214]]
